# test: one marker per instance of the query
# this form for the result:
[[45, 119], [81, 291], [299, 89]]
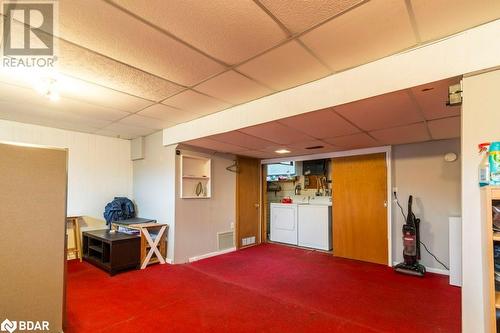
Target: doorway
[[358, 184]]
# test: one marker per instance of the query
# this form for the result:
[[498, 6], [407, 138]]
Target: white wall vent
[[225, 240], [137, 149]]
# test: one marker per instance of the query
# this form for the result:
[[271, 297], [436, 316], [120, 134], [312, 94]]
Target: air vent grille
[[225, 240]]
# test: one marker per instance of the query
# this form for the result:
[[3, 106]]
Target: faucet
[[318, 185], [298, 188]]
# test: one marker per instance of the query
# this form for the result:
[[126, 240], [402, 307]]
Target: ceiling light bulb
[[53, 96], [282, 151], [48, 87]]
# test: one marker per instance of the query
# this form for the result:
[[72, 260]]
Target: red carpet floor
[[267, 288]]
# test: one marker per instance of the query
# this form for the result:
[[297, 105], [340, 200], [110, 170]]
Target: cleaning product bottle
[[494, 159], [484, 165]]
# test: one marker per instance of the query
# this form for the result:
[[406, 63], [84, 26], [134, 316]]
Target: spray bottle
[[484, 166], [494, 160]]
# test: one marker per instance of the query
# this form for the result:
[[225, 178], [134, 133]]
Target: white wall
[[99, 167], [419, 169], [154, 185], [197, 221], [193, 223], [480, 123]]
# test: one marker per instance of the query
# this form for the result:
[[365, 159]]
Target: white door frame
[[355, 152]]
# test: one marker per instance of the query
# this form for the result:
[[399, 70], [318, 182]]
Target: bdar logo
[[9, 326]]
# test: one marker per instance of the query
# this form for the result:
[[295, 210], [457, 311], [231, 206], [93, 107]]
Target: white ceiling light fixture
[[46, 81], [282, 151], [48, 87]]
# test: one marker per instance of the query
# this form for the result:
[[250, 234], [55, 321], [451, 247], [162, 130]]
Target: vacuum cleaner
[[411, 243]]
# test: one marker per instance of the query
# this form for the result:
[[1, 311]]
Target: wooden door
[[360, 208], [247, 200]]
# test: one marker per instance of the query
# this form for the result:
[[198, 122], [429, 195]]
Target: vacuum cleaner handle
[[417, 237], [410, 204]]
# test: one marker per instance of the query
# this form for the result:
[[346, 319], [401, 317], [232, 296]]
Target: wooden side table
[[156, 246], [77, 249], [147, 228]]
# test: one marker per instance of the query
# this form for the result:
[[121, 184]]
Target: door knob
[[385, 203], [257, 205]]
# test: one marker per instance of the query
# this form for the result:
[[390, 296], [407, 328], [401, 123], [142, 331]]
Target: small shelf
[[282, 181], [497, 299], [195, 177], [496, 236], [96, 248], [91, 256], [195, 172]]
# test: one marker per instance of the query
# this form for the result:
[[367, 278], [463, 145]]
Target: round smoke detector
[[450, 157]]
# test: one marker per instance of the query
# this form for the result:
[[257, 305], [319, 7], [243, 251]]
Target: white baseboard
[[169, 261], [211, 254], [431, 269], [437, 270]]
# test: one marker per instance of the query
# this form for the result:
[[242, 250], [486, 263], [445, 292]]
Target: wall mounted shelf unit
[[195, 182], [490, 196]]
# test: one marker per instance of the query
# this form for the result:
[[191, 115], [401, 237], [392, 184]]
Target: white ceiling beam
[[472, 50]]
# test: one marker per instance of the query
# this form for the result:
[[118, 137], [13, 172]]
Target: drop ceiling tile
[[229, 30], [298, 15], [277, 133], [146, 122], [437, 19], [243, 140], [79, 90], [113, 134], [215, 145], [278, 68], [255, 154], [309, 143], [433, 102], [383, 111], [403, 134], [272, 149], [353, 141], [88, 110], [35, 114], [233, 88], [319, 147], [167, 113], [369, 32], [89, 66], [320, 124], [125, 131], [446, 128], [294, 151], [193, 101], [95, 94], [21, 95], [120, 36]]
